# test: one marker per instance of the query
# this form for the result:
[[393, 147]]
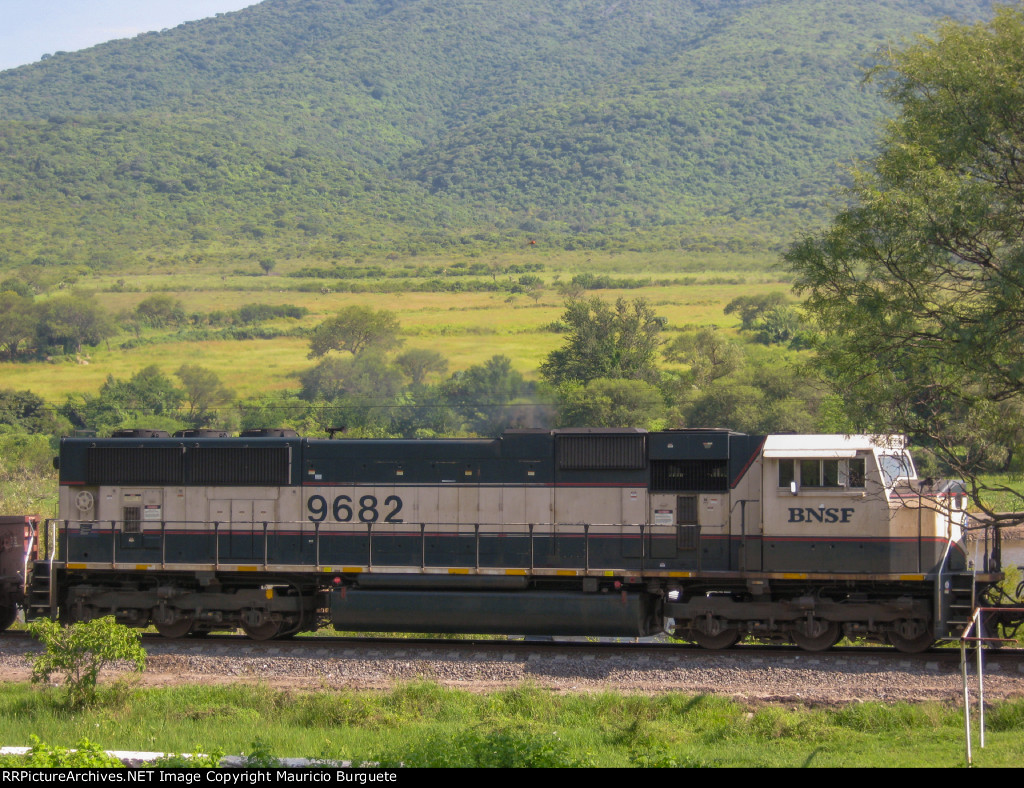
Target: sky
[[30, 29]]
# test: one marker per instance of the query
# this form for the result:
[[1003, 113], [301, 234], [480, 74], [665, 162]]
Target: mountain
[[335, 128]]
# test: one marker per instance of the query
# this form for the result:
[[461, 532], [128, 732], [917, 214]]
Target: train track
[[748, 673]]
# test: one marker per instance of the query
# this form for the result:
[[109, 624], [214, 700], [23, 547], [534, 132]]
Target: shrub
[[85, 755], [80, 651], [502, 749]]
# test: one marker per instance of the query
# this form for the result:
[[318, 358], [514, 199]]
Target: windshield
[[895, 466]]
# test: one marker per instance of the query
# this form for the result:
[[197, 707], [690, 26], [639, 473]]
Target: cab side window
[[787, 472], [810, 473], [822, 474], [855, 472]]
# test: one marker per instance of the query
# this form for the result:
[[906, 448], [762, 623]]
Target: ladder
[[39, 602], [961, 602], [955, 598]]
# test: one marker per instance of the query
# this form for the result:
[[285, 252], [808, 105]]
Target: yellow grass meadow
[[467, 328]]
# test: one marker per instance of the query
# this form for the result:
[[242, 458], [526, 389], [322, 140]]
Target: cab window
[[822, 474], [787, 473], [895, 466]]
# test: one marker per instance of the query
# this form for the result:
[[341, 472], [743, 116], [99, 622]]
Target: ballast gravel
[[815, 679]]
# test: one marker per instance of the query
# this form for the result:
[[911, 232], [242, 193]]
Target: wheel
[[911, 636], [727, 638], [268, 630], [7, 616], [176, 629], [828, 634]]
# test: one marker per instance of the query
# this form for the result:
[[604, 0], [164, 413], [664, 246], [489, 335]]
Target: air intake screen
[[134, 465], [689, 475], [260, 465], [601, 452]]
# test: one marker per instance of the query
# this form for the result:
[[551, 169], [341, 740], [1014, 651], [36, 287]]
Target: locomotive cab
[[854, 504]]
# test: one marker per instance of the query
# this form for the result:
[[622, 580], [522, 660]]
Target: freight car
[[711, 534], [17, 554]]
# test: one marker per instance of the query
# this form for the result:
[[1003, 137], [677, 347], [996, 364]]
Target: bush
[[22, 454], [85, 755], [80, 651]]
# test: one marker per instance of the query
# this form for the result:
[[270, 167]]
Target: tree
[[485, 396], [160, 310], [919, 285], [70, 321], [780, 325], [148, 391], [770, 396], [356, 329], [710, 354], [17, 286], [81, 650], [203, 391], [368, 376], [17, 323], [419, 363], [751, 307], [29, 412], [606, 341], [149, 398], [605, 402], [272, 410]]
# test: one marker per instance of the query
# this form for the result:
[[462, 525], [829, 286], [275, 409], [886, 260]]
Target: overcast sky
[[30, 29]]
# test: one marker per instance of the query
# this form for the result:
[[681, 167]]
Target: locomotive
[[711, 535]]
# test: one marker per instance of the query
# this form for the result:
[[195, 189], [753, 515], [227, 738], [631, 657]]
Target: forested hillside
[[329, 129]]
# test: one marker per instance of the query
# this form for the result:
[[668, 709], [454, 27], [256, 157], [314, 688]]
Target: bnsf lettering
[[809, 515]]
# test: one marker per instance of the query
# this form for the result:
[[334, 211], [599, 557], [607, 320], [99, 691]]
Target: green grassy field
[[467, 327], [427, 725]]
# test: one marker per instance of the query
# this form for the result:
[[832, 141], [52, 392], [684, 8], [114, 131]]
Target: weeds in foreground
[[84, 755], [80, 651], [423, 724]]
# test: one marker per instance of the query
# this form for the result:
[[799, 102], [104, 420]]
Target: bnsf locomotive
[[711, 534]]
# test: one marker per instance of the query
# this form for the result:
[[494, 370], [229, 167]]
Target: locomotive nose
[[951, 489]]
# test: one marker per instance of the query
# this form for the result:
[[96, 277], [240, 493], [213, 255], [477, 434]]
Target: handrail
[[28, 551], [166, 530], [940, 585], [979, 640]]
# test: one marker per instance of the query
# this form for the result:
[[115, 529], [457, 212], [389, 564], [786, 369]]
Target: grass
[[425, 724], [468, 328], [32, 495], [1010, 499]]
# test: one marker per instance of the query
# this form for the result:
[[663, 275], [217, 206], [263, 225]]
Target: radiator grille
[[263, 465], [601, 452], [134, 465], [152, 466]]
